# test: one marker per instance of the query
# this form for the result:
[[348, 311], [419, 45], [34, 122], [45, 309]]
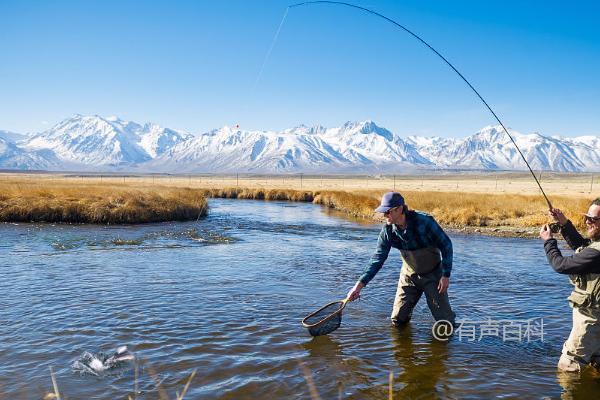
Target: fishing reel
[[554, 227]]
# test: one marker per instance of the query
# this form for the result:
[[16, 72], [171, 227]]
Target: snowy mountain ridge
[[95, 143]]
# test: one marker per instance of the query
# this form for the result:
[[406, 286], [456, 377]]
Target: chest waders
[[421, 272], [583, 345], [421, 261], [586, 291]]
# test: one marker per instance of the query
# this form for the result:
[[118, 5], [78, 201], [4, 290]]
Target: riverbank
[[127, 200], [98, 204], [506, 215]]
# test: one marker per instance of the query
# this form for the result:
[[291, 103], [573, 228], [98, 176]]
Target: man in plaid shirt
[[427, 260]]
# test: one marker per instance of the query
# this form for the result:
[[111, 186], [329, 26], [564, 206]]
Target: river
[[225, 295]]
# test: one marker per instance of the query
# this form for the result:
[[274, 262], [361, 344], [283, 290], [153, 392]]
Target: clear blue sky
[[193, 65]]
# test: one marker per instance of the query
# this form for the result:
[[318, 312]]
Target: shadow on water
[[586, 386]]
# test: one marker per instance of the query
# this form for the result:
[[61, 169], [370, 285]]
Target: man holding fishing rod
[[427, 260], [583, 345]]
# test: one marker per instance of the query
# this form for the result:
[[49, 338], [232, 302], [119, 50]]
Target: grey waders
[[421, 273], [583, 345]]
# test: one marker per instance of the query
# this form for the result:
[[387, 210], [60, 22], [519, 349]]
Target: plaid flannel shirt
[[421, 231]]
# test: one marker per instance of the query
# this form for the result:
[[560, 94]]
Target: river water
[[225, 295]]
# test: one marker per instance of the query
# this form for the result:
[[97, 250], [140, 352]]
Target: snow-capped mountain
[[230, 150], [492, 149], [357, 146], [105, 144], [368, 143], [12, 137], [13, 157], [97, 141]]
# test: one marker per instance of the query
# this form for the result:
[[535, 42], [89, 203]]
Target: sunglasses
[[389, 211], [589, 218]]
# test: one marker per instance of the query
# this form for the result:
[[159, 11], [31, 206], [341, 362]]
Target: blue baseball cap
[[390, 200]]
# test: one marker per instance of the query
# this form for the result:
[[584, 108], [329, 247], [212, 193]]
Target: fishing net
[[325, 320]]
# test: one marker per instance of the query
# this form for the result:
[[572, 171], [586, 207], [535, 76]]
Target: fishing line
[[340, 3], [271, 47]]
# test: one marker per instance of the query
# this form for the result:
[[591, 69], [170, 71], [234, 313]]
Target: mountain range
[[110, 144]]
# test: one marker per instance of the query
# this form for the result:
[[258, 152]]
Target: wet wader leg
[[407, 296], [439, 304], [583, 344]]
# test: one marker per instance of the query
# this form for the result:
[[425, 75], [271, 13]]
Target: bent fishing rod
[[341, 3]]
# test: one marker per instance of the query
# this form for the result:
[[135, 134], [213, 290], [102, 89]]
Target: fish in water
[[96, 364]]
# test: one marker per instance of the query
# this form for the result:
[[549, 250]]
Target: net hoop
[[327, 318]]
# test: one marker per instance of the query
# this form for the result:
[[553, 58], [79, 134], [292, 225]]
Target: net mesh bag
[[325, 320]]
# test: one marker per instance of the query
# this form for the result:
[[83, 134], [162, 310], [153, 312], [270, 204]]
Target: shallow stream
[[225, 295]]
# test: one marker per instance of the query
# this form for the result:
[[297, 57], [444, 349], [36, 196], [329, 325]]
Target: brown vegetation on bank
[[493, 210], [98, 204], [454, 210], [259, 194], [55, 198]]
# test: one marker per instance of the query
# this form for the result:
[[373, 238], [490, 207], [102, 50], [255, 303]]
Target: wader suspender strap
[[586, 292], [420, 243]]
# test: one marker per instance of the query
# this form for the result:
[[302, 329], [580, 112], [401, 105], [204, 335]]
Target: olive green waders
[[583, 345], [421, 273]]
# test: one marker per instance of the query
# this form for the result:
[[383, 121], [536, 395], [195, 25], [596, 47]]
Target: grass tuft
[[98, 204]]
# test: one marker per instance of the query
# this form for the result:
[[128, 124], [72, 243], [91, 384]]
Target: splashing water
[[101, 363]]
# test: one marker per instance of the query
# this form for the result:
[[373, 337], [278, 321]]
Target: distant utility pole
[[394, 182], [592, 183], [237, 180], [300, 181]]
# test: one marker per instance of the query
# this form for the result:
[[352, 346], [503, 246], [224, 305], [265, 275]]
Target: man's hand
[[558, 216], [354, 293], [546, 233], [443, 285]]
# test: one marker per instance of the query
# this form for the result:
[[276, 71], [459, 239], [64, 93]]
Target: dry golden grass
[[359, 205], [455, 201], [98, 204], [259, 194], [478, 209], [459, 210], [451, 209]]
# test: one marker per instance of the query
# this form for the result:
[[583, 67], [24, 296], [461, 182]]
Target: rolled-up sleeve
[[439, 239], [384, 245]]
